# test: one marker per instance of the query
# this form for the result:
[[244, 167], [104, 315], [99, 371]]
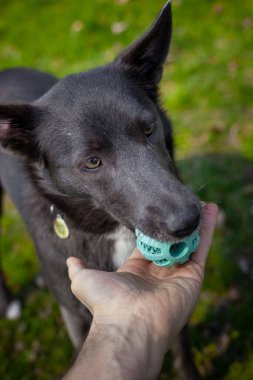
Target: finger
[[206, 234], [75, 265]]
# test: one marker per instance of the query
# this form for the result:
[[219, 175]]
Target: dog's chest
[[106, 252], [123, 242]]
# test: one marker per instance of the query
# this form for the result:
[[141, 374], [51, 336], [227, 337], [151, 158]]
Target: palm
[[139, 284], [170, 292]]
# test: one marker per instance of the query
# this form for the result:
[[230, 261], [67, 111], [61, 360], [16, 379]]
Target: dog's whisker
[[205, 184], [90, 212]]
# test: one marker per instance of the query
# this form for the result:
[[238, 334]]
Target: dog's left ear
[[17, 129], [145, 57]]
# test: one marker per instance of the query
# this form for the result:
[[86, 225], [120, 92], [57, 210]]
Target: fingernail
[[74, 262], [69, 261]]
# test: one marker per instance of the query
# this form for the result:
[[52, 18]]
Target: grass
[[207, 90]]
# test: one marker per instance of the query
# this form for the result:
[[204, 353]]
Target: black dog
[[95, 152]]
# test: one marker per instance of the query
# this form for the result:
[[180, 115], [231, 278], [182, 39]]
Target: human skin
[[137, 311]]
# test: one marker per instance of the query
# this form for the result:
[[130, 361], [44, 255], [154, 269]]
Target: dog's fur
[[53, 126]]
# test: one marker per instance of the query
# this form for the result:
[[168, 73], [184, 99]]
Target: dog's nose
[[186, 223], [177, 222]]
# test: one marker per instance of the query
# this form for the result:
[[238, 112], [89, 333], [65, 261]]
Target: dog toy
[[168, 253]]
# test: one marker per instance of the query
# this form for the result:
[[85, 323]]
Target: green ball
[[166, 254]]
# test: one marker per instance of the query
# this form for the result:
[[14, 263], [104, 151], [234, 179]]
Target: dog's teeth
[[14, 310]]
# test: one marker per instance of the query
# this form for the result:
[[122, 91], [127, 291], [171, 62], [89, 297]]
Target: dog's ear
[[17, 129], [146, 56]]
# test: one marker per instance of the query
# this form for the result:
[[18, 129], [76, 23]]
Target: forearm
[[122, 352]]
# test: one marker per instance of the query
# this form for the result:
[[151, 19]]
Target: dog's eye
[[148, 130], [92, 163]]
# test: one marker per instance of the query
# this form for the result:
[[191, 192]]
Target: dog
[[89, 158]]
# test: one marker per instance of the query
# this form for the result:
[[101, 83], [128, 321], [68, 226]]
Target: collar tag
[[60, 227]]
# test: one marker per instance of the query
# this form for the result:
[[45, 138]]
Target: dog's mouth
[[161, 232], [163, 236], [185, 232]]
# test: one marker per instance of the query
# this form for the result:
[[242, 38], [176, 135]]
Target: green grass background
[[207, 88]]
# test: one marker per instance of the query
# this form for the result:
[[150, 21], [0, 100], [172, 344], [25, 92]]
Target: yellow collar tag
[[60, 227]]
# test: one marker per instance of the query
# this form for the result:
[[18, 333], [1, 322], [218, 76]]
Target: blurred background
[[207, 89]]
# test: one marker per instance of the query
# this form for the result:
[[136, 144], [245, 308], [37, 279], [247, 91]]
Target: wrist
[[130, 345], [152, 325]]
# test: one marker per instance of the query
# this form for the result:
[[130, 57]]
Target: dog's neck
[[122, 239]]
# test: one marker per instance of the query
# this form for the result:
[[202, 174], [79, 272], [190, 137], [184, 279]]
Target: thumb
[[74, 265], [207, 231], [77, 274], [88, 285]]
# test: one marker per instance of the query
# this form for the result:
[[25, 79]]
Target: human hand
[[141, 293]]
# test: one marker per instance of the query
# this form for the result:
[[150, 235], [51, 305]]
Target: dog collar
[[61, 228]]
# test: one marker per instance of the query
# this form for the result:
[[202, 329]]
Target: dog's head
[[101, 136]]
